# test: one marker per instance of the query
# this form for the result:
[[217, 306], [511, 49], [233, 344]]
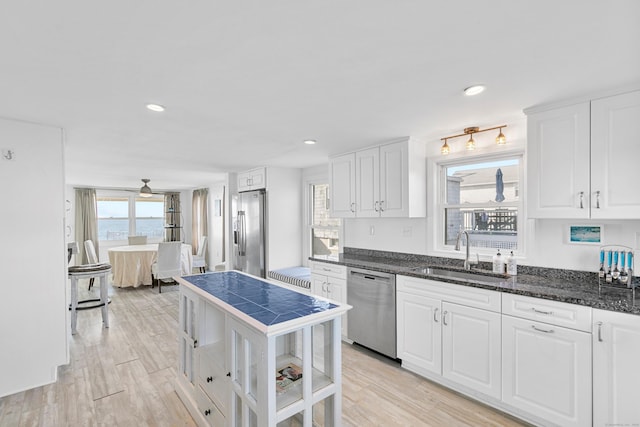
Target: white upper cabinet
[[254, 179], [383, 181], [580, 159], [342, 175], [615, 152]]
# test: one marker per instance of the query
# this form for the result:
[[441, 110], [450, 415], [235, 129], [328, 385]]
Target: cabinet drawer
[[212, 374], [333, 270], [465, 295], [208, 410], [553, 312]]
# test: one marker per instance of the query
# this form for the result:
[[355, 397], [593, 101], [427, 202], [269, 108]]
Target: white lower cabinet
[[330, 281], [458, 342], [546, 371], [616, 351], [471, 348]]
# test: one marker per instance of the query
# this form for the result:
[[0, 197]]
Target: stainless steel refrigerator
[[248, 210]]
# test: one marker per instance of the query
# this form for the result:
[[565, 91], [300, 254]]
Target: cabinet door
[[318, 284], [337, 291], [546, 371], [616, 348], [471, 348], [419, 333], [342, 186], [558, 163], [394, 180], [187, 336], [368, 183], [615, 152]]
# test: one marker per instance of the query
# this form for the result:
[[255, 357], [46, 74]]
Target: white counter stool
[[89, 271]]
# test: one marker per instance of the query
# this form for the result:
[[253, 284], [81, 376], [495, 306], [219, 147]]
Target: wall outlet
[[407, 231], [372, 230]]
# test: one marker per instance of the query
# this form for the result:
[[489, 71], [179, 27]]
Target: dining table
[[131, 265]]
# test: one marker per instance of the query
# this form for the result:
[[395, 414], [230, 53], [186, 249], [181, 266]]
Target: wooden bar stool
[[88, 271]]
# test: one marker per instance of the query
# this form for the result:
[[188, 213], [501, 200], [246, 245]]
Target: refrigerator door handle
[[242, 243]]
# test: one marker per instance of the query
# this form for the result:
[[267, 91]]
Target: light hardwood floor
[[123, 376]]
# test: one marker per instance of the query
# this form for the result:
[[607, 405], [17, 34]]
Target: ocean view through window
[[129, 215]]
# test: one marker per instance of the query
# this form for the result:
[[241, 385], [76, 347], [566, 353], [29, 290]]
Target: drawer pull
[[546, 331], [599, 331], [435, 315], [209, 379], [548, 313], [444, 318], [207, 412]]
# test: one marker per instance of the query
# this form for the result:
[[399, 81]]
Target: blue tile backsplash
[[269, 304]]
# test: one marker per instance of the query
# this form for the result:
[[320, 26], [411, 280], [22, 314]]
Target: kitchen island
[[254, 353]]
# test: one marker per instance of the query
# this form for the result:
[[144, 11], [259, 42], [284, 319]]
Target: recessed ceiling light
[[474, 90], [155, 107], [309, 141]]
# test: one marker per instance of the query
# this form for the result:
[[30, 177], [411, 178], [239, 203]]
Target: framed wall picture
[[585, 234]]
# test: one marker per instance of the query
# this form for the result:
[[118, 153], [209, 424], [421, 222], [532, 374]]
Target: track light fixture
[[471, 143]]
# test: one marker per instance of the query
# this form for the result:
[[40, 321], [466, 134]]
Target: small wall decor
[[585, 234]]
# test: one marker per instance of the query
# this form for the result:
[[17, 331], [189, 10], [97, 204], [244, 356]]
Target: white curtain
[[199, 216], [86, 221]]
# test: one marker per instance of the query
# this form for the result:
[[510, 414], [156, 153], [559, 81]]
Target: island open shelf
[[258, 354]]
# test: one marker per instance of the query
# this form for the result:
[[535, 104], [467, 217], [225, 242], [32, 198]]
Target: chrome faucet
[[467, 264]]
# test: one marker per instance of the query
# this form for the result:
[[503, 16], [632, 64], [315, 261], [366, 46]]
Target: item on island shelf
[[601, 272], [630, 268], [512, 265], [615, 274], [498, 263], [287, 376]]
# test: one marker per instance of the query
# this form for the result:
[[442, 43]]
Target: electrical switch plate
[[406, 231], [372, 230]]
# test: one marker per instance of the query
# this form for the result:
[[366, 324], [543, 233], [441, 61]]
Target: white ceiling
[[244, 82]]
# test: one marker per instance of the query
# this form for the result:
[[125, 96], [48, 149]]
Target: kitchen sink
[[469, 276]]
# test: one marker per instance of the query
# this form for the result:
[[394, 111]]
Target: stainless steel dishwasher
[[372, 320]]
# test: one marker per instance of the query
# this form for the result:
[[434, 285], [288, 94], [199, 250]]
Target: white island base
[[243, 343]]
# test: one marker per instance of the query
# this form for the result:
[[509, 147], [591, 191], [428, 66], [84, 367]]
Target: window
[[129, 215], [482, 198], [324, 230]]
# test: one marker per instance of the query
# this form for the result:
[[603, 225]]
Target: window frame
[[131, 198], [441, 205], [307, 241]]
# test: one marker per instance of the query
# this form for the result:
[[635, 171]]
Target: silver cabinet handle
[[381, 205], [376, 206], [435, 315], [548, 313], [599, 331], [444, 318], [582, 200], [546, 331], [597, 199], [353, 207]]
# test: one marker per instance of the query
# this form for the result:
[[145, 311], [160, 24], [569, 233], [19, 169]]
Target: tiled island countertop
[[574, 287]]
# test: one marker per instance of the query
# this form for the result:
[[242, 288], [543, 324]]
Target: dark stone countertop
[[573, 287]]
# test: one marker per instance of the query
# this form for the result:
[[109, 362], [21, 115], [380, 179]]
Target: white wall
[[33, 307]]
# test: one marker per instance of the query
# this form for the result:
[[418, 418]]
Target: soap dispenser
[[512, 265], [498, 264]]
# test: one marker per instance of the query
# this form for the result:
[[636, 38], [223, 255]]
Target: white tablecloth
[[131, 265]]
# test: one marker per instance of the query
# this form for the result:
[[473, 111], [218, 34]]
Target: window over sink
[[482, 196]]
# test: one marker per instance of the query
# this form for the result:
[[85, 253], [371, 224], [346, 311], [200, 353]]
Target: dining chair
[[167, 264], [137, 240], [199, 260], [92, 258]]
